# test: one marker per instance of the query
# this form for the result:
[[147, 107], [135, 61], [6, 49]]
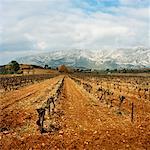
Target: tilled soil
[[79, 122]]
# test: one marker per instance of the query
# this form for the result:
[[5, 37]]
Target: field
[[75, 111]]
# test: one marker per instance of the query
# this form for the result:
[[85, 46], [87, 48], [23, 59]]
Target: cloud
[[44, 25], [135, 2]]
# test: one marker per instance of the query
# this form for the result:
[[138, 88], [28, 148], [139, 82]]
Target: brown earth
[[80, 120]]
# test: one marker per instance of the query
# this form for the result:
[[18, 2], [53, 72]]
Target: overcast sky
[[37, 26]]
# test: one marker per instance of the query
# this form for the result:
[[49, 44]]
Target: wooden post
[[111, 101], [101, 96], [49, 109], [53, 105], [40, 122], [132, 112]]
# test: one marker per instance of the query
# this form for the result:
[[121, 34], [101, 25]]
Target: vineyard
[[119, 92], [75, 111], [13, 83]]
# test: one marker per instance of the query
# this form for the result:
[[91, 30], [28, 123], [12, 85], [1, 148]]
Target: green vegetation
[[11, 68], [14, 66]]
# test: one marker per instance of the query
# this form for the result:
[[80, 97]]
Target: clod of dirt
[[4, 129], [53, 128], [59, 113]]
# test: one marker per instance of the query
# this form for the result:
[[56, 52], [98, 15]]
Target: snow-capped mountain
[[97, 59]]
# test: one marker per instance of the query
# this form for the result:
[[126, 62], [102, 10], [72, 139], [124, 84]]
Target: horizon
[[36, 26]]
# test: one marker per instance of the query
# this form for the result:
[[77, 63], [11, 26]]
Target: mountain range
[[135, 58]]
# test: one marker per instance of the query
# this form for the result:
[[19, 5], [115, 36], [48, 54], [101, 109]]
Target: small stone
[[60, 136], [95, 132], [75, 134], [22, 138], [5, 132], [86, 142], [14, 134], [43, 144], [142, 131], [123, 134], [99, 120], [127, 145], [61, 132]]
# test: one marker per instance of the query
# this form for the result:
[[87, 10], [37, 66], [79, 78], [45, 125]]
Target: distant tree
[[63, 68], [121, 98], [124, 70], [46, 66], [115, 70], [14, 66], [107, 70]]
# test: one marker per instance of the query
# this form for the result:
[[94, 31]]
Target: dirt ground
[[80, 121]]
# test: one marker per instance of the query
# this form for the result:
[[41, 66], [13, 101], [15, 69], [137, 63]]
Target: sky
[[37, 26]]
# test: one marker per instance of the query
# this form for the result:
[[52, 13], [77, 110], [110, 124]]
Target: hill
[[28, 69]]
